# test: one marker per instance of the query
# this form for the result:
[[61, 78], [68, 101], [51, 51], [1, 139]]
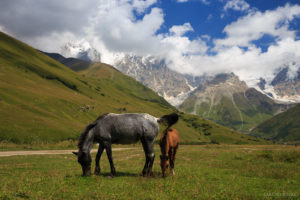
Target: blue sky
[[210, 17], [252, 38]]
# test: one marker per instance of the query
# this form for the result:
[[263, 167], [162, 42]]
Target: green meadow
[[202, 172]]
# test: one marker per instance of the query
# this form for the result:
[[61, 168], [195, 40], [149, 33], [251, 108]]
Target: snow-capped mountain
[[281, 86], [81, 50], [155, 74], [284, 86]]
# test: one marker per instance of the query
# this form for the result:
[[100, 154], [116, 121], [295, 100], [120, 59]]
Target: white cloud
[[209, 17], [31, 18], [119, 30], [112, 27], [255, 25], [250, 62], [182, 1], [205, 37], [181, 30], [206, 2], [239, 5], [249, 65], [142, 5]]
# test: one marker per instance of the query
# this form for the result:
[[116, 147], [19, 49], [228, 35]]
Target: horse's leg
[[172, 160], [149, 153], [151, 159], [147, 159], [98, 156], [109, 156]]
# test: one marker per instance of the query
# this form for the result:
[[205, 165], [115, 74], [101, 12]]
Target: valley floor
[[202, 172]]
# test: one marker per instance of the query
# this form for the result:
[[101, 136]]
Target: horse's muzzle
[[86, 172]]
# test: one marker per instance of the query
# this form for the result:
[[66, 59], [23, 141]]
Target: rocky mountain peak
[[154, 73], [285, 85]]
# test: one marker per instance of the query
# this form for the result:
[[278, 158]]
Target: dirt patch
[[48, 152]]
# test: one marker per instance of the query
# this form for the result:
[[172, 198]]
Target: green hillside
[[42, 100], [241, 111], [284, 127]]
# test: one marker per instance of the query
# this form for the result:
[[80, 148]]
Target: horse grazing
[[120, 129], [169, 142]]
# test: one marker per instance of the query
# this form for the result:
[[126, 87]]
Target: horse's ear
[[160, 156], [75, 153]]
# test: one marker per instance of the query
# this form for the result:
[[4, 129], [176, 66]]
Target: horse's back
[[127, 128], [173, 137]]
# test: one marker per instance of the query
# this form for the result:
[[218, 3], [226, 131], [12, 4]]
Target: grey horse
[[113, 128]]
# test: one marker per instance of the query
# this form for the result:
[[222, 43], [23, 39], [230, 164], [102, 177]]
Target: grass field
[[202, 172]]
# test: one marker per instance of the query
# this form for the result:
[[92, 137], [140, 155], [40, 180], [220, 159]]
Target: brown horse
[[169, 142]]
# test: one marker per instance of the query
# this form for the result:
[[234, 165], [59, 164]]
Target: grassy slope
[[283, 127], [202, 172], [247, 111], [44, 101]]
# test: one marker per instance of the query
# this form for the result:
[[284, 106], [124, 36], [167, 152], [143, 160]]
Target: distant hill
[[284, 127], [230, 102], [42, 100], [73, 63]]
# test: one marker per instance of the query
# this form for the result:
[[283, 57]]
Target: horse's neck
[[88, 142]]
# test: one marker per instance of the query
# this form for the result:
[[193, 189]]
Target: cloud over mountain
[[135, 26]]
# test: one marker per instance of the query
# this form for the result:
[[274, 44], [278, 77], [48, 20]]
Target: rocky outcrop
[[155, 74]]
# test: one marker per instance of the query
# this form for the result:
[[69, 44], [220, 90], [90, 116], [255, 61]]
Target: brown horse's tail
[[168, 120]]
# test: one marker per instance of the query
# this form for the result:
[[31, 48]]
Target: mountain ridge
[[230, 102], [75, 64]]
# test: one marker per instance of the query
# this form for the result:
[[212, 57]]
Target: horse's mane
[[164, 137], [165, 132], [169, 120], [87, 129], [163, 141]]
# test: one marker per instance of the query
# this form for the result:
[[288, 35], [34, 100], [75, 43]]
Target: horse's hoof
[[110, 176], [172, 172]]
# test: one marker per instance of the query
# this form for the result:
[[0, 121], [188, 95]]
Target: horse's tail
[[85, 133], [169, 120]]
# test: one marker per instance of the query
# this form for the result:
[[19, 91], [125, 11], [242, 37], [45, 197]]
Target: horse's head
[[164, 164], [85, 161]]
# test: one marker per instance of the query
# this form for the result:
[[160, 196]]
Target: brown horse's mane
[[165, 132], [164, 138]]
